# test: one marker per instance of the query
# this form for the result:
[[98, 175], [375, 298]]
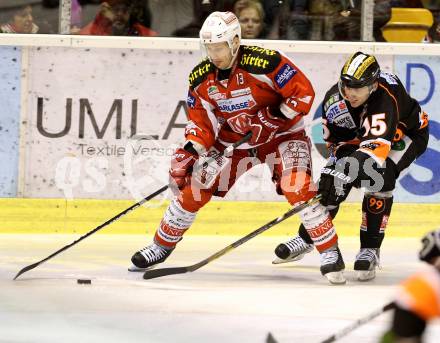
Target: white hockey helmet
[[220, 27]]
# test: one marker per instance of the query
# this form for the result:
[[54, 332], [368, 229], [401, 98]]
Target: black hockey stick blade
[[155, 273], [26, 269], [359, 322], [123, 213]]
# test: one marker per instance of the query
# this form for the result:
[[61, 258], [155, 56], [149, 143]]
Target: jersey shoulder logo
[[200, 72], [256, 60], [284, 75], [332, 98], [391, 79]]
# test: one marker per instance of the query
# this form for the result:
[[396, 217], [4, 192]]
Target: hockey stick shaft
[[359, 322], [228, 150], [155, 273]]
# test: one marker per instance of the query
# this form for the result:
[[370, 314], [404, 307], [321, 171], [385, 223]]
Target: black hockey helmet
[[431, 246], [360, 70]]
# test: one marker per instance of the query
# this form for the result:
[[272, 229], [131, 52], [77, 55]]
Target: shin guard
[[173, 225], [318, 223], [376, 209]]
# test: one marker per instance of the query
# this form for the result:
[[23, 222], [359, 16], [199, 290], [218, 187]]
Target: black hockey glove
[[334, 185]]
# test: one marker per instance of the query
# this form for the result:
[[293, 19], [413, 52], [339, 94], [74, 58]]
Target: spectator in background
[[21, 21], [434, 31], [201, 10], [250, 13], [117, 18]]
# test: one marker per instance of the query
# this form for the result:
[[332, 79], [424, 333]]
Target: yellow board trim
[[216, 218]]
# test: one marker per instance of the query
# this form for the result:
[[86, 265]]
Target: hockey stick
[[155, 273], [358, 323], [228, 150]]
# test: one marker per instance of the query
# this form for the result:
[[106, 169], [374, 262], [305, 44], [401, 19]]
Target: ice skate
[[366, 262], [292, 250], [148, 257], [332, 266]]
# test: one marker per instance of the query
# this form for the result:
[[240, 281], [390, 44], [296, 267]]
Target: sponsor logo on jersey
[[267, 52], [212, 90], [236, 104], [253, 60], [214, 94], [190, 100], [240, 122], [337, 113], [240, 92], [371, 146], [284, 75], [199, 71], [331, 100], [344, 120], [218, 96]]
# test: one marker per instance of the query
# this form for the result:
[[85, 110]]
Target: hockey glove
[[263, 127], [334, 185], [181, 167]]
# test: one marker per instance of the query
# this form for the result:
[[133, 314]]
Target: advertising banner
[[10, 71], [420, 75]]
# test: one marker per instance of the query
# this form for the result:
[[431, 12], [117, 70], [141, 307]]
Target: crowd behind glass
[[262, 19]]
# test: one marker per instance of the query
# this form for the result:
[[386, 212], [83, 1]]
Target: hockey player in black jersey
[[373, 130]]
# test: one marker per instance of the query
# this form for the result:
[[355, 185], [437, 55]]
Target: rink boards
[[216, 218]]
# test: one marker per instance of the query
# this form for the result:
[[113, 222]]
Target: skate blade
[[135, 269], [287, 260], [365, 275], [336, 278]]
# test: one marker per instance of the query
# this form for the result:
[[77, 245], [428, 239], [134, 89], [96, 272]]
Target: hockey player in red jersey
[[239, 89], [374, 130]]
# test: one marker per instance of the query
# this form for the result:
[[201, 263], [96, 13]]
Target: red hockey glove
[[263, 127], [181, 167]]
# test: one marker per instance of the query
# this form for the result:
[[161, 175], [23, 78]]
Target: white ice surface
[[238, 298]]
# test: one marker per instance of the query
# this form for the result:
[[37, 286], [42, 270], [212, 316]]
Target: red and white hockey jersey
[[220, 109]]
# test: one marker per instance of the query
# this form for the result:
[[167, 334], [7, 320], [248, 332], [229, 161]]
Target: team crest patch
[[284, 75], [240, 123]]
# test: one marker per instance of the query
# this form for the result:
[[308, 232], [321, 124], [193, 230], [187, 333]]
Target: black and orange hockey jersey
[[420, 294], [388, 113], [220, 108]]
